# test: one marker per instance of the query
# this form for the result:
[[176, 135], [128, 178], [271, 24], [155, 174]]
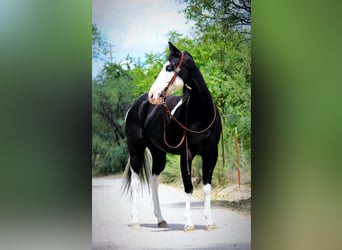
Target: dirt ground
[[234, 197]]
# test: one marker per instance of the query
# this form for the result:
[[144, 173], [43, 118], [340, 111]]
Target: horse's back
[[135, 119]]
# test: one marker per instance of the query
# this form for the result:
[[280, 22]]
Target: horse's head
[[170, 78]]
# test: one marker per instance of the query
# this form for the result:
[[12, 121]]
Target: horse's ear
[[174, 51]]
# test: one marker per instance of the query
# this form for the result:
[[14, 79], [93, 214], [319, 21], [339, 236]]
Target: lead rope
[[187, 155], [167, 111], [167, 144], [186, 139], [179, 144]]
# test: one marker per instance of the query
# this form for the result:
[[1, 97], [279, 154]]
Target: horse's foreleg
[[135, 183], [209, 162], [186, 175], [189, 226], [158, 165], [207, 207], [157, 212]]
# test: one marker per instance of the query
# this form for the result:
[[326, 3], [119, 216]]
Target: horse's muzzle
[[155, 98]]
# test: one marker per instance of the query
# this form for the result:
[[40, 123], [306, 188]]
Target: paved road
[[111, 222]]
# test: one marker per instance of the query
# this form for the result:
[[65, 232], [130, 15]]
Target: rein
[[172, 117]]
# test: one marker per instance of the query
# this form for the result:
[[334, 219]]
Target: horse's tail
[[144, 172]]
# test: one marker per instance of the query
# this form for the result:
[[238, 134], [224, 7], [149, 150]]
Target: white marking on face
[[161, 82]]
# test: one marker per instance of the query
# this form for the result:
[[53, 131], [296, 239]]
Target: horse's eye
[[169, 68]]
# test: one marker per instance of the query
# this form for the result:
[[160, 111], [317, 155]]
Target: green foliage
[[112, 96], [144, 73], [226, 14], [172, 171]]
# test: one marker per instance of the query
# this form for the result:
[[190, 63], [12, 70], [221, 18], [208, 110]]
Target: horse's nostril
[[151, 96]]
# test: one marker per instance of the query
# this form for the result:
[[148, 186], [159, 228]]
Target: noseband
[[177, 70]]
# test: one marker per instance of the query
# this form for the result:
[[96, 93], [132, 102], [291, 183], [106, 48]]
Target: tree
[[229, 15], [111, 98], [100, 45], [144, 73], [222, 50]]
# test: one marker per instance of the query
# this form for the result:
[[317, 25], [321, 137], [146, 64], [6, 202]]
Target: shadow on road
[[240, 206], [194, 205], [172, 227]]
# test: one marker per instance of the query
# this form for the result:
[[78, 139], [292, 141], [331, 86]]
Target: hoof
[[211, 227], [135, 225], [189, 229], [163, 224]]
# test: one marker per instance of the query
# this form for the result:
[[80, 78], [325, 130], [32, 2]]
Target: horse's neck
[[200, 99]]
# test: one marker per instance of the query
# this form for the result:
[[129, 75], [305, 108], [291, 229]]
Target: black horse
[[186, 125]]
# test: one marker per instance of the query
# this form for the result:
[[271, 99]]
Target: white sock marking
[[155, 196], [187, 214], [135, 181], [207, 206]]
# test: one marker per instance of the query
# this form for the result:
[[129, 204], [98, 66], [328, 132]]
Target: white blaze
[[160, 84]]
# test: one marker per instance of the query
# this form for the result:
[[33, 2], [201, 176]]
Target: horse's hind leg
[[159, 161], [135, 182], [136, 160], [209, 162]]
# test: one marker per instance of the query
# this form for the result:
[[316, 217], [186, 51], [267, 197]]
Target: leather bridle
[[173, 78]]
